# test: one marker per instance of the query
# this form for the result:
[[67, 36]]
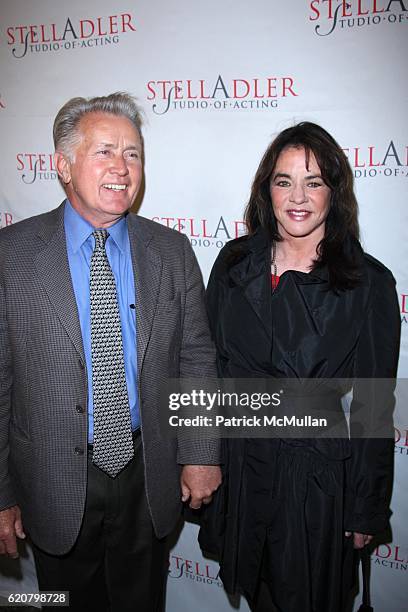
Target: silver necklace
[[274, 267]]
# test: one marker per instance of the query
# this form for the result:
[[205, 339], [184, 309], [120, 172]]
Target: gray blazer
[[43, 388]]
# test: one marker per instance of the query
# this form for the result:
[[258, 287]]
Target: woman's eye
[[315, 185], [282, 183]]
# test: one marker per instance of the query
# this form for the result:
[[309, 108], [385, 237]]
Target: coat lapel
[[315, 296], [53, 272], [252, 275], [319, 299], [147, 271]]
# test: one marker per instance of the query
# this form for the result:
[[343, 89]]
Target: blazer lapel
[[147, 271], [53, 271]]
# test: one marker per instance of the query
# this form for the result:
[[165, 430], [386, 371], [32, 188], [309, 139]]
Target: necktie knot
[[101, 236]]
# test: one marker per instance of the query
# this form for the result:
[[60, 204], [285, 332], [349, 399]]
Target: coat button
[[79, 409], [78, 450]]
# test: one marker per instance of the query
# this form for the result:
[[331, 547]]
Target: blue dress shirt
[[80, 246]]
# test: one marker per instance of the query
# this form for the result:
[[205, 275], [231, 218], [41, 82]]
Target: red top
[[274, 280]]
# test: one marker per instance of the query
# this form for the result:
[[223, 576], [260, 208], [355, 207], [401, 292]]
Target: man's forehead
[[94, 126]]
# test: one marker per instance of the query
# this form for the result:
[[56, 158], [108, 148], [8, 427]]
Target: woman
[[298, 298]]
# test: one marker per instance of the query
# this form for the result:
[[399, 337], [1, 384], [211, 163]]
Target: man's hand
[[359, 539], [10, 527], [198, 483]]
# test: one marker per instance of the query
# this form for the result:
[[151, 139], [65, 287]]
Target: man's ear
[[63, 166]]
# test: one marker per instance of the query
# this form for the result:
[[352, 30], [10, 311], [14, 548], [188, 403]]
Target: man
[[98, 306]]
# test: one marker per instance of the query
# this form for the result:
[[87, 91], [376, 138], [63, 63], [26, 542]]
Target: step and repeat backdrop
[[217, 80]]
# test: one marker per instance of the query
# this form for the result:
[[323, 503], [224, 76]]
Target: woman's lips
[[298, 215]]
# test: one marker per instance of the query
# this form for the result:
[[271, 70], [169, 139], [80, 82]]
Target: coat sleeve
[[215, 298], [197, 360], [370, 467], [7, 498]]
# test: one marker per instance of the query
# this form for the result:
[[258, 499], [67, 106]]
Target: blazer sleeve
[[7, 498], [197, 360], [370, 467]]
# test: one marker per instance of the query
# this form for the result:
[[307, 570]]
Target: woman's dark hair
[[341, 229]]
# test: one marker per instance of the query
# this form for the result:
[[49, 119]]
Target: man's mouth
[[115, 186]]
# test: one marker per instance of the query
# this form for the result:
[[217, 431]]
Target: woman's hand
[[359, 539]]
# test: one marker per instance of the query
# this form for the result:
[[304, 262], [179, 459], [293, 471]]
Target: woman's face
[[300, 197]]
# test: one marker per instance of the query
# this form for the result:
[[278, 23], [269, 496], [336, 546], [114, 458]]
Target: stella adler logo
[[392, 556], [401, 440], [220, 93], [205, 232], [6, 218], [199, 571], [67, 35], [404, 307], [388, 159], [330, 15], [36, 166]]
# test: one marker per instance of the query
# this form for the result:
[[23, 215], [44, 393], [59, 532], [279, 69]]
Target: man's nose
[[119, 165]]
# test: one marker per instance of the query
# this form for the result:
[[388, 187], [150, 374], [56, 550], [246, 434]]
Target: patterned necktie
[[113, 444]]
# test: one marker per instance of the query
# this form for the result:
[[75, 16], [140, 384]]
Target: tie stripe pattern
[[113, 444]]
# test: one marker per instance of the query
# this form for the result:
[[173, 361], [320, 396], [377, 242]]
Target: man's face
[[105, 176]]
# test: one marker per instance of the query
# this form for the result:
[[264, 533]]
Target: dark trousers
[[117, 564]]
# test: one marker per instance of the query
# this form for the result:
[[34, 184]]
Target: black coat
[[303, 329]]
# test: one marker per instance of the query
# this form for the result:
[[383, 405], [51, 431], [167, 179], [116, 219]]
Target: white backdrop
[[217, 80]]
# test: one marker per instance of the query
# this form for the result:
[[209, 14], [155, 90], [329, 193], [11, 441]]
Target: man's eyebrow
[[109, 145]]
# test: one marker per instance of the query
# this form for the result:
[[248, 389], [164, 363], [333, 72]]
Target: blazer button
[[79, 409], [78, 450]]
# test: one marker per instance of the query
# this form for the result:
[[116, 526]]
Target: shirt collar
[[78, 230], [118, 232]]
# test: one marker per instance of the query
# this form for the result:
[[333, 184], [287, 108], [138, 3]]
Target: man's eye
[[103, 152]]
